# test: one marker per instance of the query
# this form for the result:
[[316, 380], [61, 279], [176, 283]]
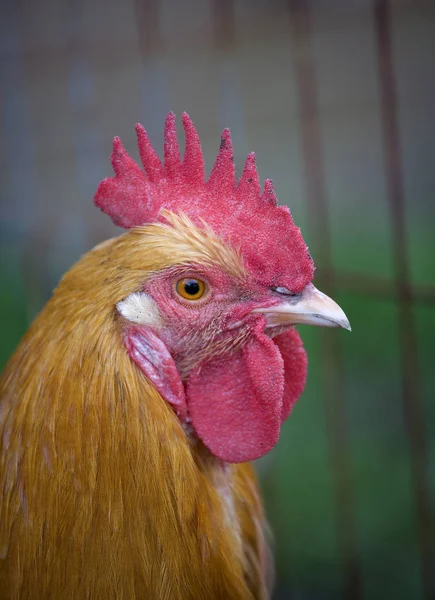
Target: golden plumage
[[104, 495]]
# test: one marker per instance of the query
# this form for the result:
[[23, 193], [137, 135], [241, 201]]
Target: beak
[[311, 307]]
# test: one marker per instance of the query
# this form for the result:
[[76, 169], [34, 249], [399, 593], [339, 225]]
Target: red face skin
[[215, 361], [218, 318]]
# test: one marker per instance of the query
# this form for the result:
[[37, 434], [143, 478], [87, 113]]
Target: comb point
[[268, 194], [223, 175], [171, 150], [120, 159], [193, 163], [149, 157], [249, 183]]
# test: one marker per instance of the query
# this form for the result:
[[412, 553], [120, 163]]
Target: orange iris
[[191, 289]]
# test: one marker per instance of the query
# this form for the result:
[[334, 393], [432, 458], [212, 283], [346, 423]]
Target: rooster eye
[[190, 289]]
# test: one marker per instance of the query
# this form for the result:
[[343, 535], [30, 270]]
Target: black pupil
[[191, 287]]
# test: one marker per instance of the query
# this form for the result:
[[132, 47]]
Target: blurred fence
[[337, 99]]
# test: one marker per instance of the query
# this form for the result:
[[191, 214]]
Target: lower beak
[[311, 307]]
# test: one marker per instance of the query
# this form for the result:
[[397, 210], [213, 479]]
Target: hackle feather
[[103, 494]]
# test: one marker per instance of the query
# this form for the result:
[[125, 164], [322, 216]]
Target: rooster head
[[211, 324]]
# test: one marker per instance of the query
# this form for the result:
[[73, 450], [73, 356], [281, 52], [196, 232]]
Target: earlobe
[[140, 308], [154, 360]]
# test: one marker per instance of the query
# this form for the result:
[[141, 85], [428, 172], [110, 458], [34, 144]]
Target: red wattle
[[295, 368], [235, 401]]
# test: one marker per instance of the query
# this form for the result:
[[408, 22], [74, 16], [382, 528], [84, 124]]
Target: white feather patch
[[140, 308]]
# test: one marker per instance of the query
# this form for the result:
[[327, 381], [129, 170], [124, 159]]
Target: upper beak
[[311, 307]]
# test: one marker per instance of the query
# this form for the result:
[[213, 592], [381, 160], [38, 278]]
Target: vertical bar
[[232, 108], [224, 23], [147, 14], [85, 135], [153, 76], [408, 344], [335, 402]]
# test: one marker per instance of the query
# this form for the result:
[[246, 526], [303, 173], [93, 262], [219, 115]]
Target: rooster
[[165, 361]]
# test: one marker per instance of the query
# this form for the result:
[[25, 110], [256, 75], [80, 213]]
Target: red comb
[[271, 245]]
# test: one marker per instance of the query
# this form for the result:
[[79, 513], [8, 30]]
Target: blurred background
[[337, 99]]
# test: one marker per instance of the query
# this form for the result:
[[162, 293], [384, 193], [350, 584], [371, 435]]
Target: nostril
[[285, 292]]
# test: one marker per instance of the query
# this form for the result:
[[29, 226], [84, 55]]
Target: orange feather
[[103, 494]]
